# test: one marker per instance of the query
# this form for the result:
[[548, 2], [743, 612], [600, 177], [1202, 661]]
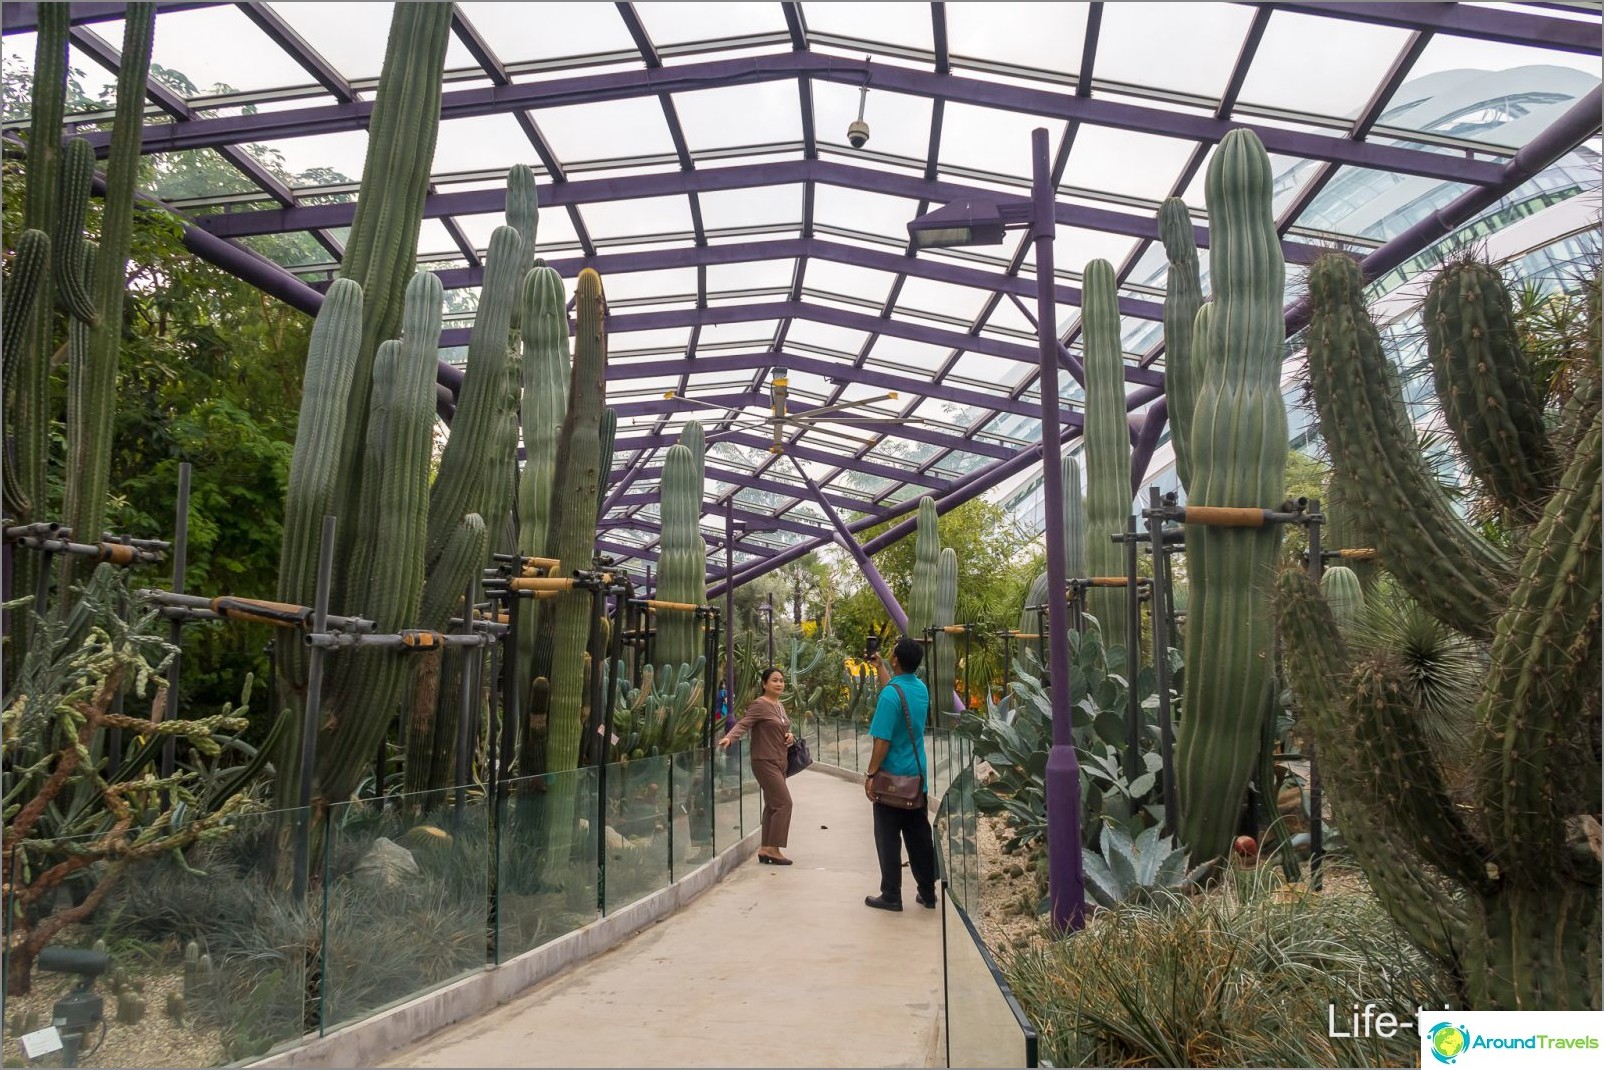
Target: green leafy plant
[[1127, 870]]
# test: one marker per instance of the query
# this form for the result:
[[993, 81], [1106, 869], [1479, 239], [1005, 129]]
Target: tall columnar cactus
[[1343, 594], [1183, 296], [682, 566], [1074, 544], [74, 285], [1108, 445], [1239, 442], [469, 477], [926, 571], [386, 575], [578, 468], [27, 363], [944, 653], [1489, 398], [1520, 929], [92, 386], [314, 470], [381, 251], [1444, 565]]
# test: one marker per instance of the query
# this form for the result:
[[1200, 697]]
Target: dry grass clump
[[1245, 975]]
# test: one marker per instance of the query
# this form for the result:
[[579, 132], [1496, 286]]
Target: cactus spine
[[380, 254], [1239, 442], [681, 570], [1108, 446], [1435, 556], [578, 468], [92, 390], [1183, 296], [1490, 402], [386, 577]]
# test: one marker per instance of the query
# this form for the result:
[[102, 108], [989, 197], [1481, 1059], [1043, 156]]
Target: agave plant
[[1126, 870]]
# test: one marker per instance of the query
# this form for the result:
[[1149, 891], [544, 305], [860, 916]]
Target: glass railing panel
[[636, 843], [232, 897], [545, 882], [985, 1024], [692, 796], [406, 884], [727, 796], [751, 798]]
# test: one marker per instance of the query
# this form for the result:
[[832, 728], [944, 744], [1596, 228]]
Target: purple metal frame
[[877, 582]]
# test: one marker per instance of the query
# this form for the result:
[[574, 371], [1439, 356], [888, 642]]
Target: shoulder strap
[[907, 720]]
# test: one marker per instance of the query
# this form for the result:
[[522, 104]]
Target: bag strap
[[907, 720]]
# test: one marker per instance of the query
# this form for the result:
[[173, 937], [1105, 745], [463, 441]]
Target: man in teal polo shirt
[[904, 701]]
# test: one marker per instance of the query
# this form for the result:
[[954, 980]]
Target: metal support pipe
[[877, 583], [729, 613], [1066, 881], [314, 707], [175, 629], [1133, 657], [462, 766], [1161, 660], [1316, 801]]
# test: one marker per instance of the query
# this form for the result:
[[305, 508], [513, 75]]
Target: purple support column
[[729, 612], [1147, 441], [1066, 881], [882, 589]]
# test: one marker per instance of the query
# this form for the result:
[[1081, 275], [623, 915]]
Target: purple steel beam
[[1147, 441], [1468, 20], [24, 17], [796, 24], [690, 77], [739, 479], [807, 453], [636, 469], [741, 176], [283, 34], [828, 369], [626, 551], [877, 582], [678, 404], [799, 248]]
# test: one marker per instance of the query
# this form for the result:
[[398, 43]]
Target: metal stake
[[1161, 659], [1316, 801], [1133, 657], [314, 705]]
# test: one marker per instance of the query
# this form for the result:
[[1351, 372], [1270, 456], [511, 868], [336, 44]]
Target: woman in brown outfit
[[771, 735]]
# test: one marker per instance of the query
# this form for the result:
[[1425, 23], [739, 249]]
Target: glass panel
[[693, 809], [406, 884], [985, 1025], [538, 897], [1194, 54], [1032, 35], [231, 897], [740, 115], [637, 833], [751, 799], [727, 797], [1335, 78], [563, 29]]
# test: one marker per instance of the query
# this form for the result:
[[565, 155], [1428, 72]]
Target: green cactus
[[92, 381], [130, 1007], [24, 285], [664, 715], [1344, 594], [926, 570], [73, 283], [682, 565], [27, 372], [386, 574], [578, 468], [944, 652], [1074, 544], [469, 477], [606, 435], [1349, 527], [1436, 557], [1239, 436], [1183, 296], [309, 496], [380, 253], [523, 215], [1108, 445], [1484, 380]]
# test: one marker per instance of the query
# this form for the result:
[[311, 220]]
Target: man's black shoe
[[880, 902], [926, 901]]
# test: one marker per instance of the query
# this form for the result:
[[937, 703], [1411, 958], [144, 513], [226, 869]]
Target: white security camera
[[858, 133]]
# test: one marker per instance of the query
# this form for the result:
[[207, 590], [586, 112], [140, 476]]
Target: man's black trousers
[[894, 827]]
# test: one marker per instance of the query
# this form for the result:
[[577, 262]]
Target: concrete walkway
[[776, 966]]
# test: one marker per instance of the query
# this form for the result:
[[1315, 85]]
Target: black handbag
[[797, 756], [897, 790]]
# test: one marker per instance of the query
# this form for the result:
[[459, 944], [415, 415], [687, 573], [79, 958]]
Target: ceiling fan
[[780, 418]]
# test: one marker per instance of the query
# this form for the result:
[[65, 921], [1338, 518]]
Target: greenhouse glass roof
[[696, 155]]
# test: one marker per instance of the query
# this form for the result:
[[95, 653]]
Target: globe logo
[[1448, 1041]]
